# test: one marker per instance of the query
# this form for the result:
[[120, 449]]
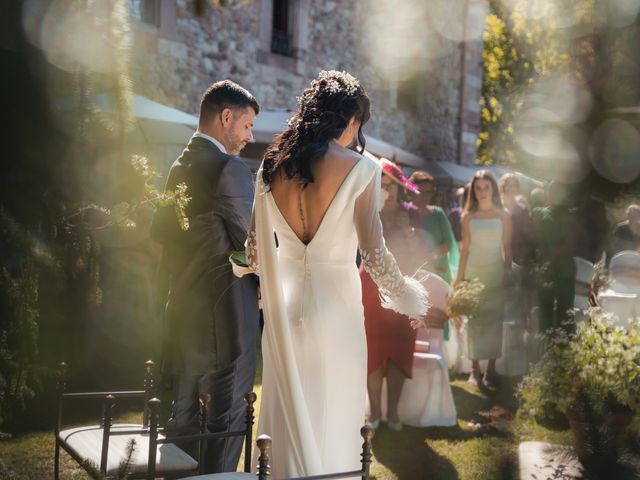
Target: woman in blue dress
[[485, 255]]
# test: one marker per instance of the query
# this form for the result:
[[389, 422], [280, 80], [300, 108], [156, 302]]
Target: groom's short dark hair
[[225, 94]]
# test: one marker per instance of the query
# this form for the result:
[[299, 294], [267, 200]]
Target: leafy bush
[[600, 362]]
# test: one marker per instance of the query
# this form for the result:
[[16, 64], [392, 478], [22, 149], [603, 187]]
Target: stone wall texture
[[174, 63]]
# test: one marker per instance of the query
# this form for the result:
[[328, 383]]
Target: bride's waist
[[319, 263]]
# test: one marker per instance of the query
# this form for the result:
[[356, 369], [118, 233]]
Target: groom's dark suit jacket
[[211, 316]]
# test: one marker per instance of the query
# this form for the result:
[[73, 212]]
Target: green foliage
[[94, 217], [57, 209], [505, 70], [239, 257], [18, 336], [600, 363], [527, 42], [19, 314]]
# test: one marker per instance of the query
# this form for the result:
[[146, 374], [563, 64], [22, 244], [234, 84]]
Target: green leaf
[[238, 257]]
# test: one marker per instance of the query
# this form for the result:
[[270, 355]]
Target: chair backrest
[[154, 440], [109, 399], [624, 272], [367, 432], [584, 270], [150, 424], [438, 289], [434, 336]]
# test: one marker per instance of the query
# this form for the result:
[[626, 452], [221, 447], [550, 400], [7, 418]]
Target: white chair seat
[[224, 476], [622, 305], [426, 399], [87, 443]]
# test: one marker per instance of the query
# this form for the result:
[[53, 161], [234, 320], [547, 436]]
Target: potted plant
[[592, 376]]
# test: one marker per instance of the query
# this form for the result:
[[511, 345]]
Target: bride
[[320, 199]]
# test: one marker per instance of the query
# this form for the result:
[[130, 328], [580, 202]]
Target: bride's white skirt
[[327, 330]]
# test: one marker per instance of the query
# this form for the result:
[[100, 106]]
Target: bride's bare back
[[304, 209]]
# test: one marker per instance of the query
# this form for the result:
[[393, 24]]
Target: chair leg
[[264, 444], [56, 461], [367, 433], [109, 402], [250, 398], [154, 406]]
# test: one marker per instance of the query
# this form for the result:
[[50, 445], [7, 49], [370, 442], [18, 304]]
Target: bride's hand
[[415, 324]]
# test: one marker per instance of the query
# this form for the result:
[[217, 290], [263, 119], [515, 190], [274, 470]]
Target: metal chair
[[264, 445], [148, 450]]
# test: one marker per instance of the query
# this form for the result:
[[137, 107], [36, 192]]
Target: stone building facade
[[423, 77]]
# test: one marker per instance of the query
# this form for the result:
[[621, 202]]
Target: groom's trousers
[[227, 388]]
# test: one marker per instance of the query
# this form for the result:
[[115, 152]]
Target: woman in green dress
[[485, 255], [441, 243]]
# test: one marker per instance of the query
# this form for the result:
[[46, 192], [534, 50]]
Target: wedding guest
[[626, 235], [455, 214], [442, 249], [555, 232], [390, 338], [485, 255], [509, 186]]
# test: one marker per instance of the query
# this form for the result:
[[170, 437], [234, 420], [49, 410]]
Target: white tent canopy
[[160, 124], [383, 149], [269, 123], [155, 123]]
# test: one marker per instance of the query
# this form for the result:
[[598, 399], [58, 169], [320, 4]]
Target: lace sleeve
[[251, 247], [402, 294]]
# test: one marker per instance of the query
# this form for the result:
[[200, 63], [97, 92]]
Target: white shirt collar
[[212, 140]]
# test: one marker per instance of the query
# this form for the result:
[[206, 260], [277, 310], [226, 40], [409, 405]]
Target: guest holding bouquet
[[485, 255]]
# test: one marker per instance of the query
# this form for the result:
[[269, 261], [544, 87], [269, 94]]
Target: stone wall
[[173, 64]]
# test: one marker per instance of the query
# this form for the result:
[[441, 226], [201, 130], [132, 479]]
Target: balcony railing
[[281, 43]]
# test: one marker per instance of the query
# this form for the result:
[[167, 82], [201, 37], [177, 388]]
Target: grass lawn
[[462, 452]]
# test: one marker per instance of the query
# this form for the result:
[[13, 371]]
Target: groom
[[211, 317]]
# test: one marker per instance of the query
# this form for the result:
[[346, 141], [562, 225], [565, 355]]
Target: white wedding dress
[[313, 344]]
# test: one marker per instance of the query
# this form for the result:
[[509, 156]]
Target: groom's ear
[[226, 117]]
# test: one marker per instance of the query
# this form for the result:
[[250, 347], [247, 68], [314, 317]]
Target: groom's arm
[[235, 200]]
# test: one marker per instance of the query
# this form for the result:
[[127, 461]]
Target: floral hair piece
[[335, 82], [339, 81]]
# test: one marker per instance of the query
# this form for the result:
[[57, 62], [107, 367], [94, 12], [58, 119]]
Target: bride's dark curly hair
[[325, 108]]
